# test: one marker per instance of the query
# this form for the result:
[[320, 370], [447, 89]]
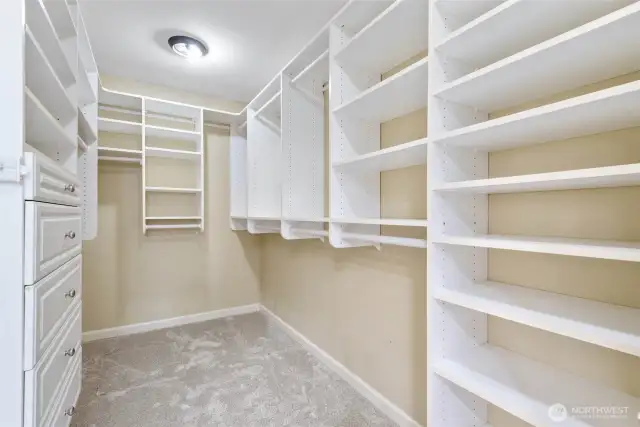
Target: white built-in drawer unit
[[53, 235], [47, 305], [45, 383], [47, 181], [65, 406]]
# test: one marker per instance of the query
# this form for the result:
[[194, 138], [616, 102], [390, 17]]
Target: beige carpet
[[235, 372]]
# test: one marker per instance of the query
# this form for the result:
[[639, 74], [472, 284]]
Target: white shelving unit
[[484, 57], [367, 40]]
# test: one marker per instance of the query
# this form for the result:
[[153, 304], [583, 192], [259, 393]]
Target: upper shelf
[[397, 157], [527, 388], [86, 129], [609, 176], [397, 34], [119, 126], [120, 99], [598, 323], [316, 72], [171, 108], [420, 223], [171, 133], [43, 82], [603, 249], [603, 111], [594, 52], [60, 15], [42, 29], [460, 12], [171, 153], [42, 130], [508, 28], [400, 94]]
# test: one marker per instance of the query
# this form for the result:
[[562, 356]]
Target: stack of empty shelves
[[531, 76]]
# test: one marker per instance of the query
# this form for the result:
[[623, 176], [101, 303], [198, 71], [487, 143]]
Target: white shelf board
[[309, 232], [607, 325], [119, 126], [386, 240], [594, 52], [264, 218], [172, 226], [603, 249], [42, 130], [171, 133], [462, 12], [301, 219], [597, 112], [113, 151], [382, 221], [271, 107], [527, 388], [118, 159], [171, 153], [400, 94], [357, 14], [82, 146], [397, 157], [508, 28], [43, 82], [609, 176], [317, 71], [398, 33], [173, 218], [85, 129], [172, 108], [238, 216], [173, 190], [86, 94], [60, 15], [120, 99], [37, 19]]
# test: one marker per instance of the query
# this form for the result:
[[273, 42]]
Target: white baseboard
[[167, 323], [378, 400]]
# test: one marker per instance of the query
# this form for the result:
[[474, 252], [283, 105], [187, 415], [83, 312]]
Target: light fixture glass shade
[[187, 47]]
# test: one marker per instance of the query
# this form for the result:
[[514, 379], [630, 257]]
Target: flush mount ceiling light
[[188, 47]]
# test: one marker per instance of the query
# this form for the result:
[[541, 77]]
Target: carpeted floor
[[241, 371]]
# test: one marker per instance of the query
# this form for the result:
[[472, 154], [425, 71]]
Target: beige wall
[[365, 307], [131, 278]]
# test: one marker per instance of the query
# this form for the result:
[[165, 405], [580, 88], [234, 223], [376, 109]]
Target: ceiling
[[249, 40]]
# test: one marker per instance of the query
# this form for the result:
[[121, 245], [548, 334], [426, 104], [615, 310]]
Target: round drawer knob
[[69, 412], [71, 294], [71, 352], [70, 235], [70, 188]]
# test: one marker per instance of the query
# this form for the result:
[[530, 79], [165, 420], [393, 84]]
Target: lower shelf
[[528, 389]]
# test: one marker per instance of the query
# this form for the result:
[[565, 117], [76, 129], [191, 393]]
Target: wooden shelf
[[614, 250], [526, 388], [172, 226], [461, 12], [606, 325], [386, 240], [43, 82], [400, 94], [508, 28], [173, 190], [271, 107], [119, 126], [171, 133], [172, 108], [42, 130], [119, 151], [317, 71], [397, 157], [609, 176], [597, 112], [382, 221], [82, 146], [170, 153], [85, 129], [298, 219], [173, 218], [61, 18], [397, 34], [38, 22], [86, 93], [594, 52]]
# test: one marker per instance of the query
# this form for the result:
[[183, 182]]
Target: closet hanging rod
[[152, 115]]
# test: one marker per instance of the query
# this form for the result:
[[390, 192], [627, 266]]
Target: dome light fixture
[[188, 47]]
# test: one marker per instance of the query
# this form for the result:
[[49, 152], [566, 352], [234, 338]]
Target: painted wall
[[365, 307], [131, 278]]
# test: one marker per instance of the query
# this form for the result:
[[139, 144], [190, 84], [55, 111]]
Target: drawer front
[[53, 235], [45, 382], [66, 407], [48, 181], [48, 304]]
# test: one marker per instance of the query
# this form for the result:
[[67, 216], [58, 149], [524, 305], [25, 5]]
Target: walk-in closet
[[320, 213]]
